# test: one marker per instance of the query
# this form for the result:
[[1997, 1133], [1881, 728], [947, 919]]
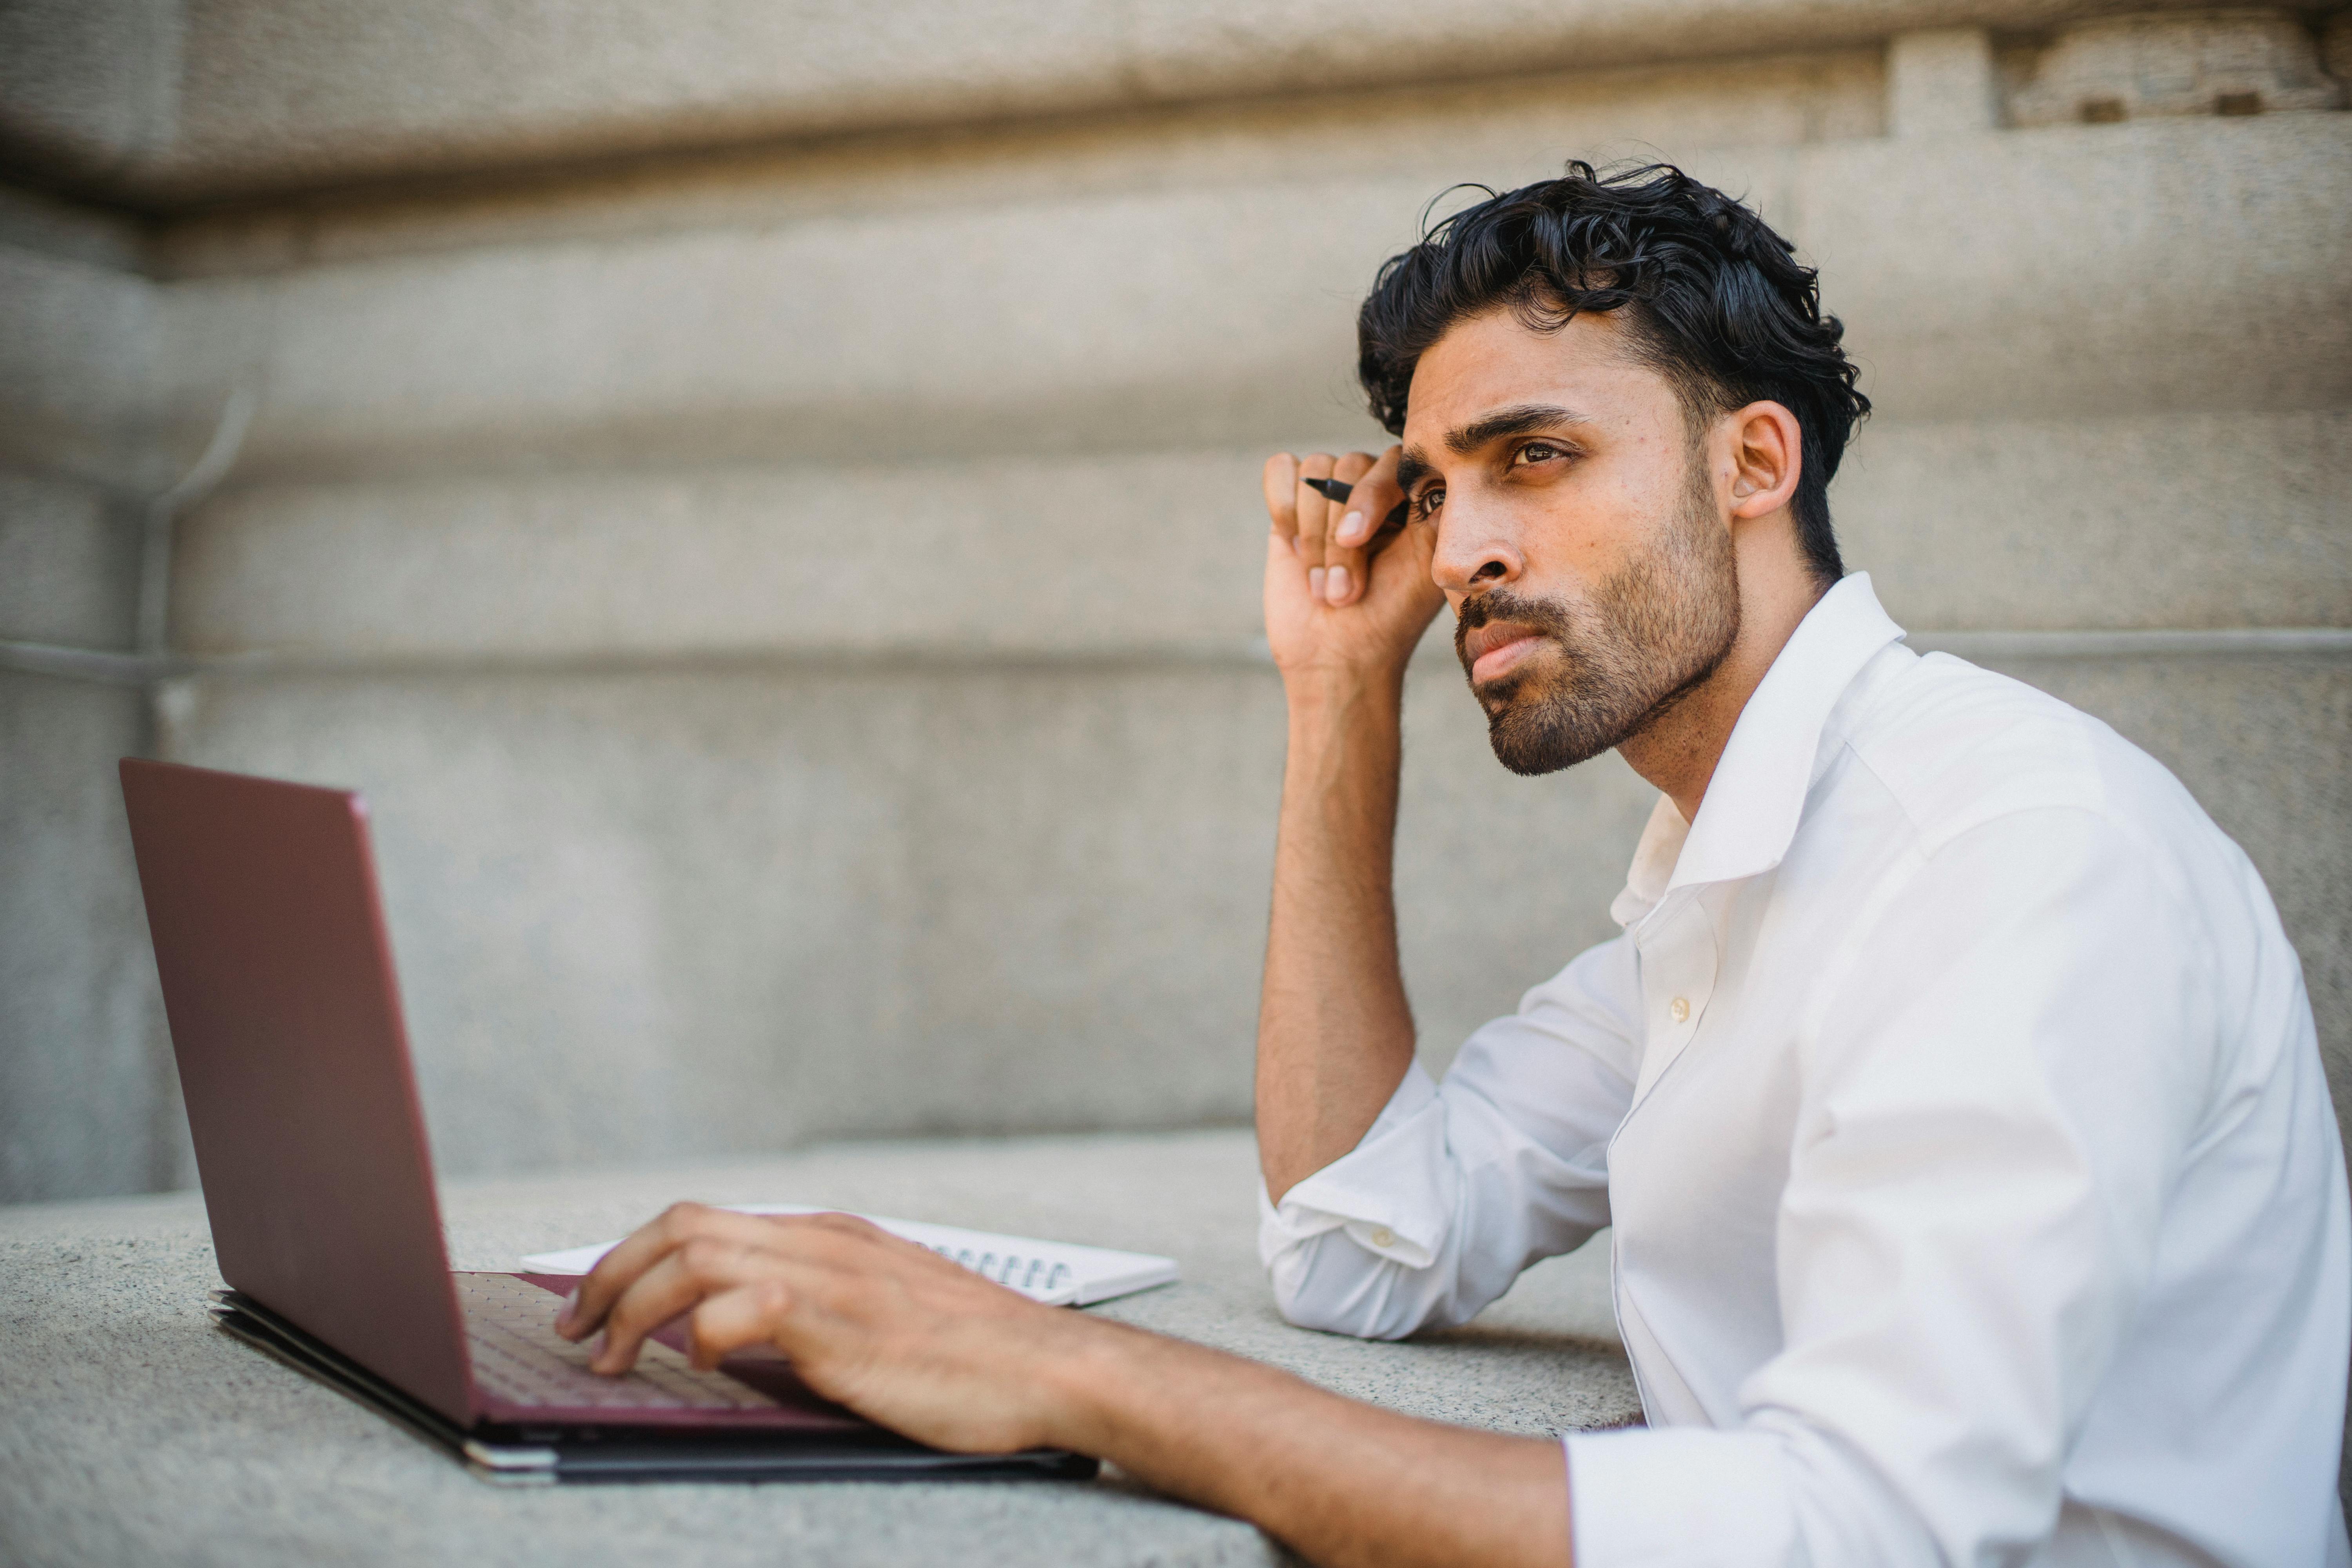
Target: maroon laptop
[[310, 1143]]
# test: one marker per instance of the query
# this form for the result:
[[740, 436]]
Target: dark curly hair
[[1713, 300]]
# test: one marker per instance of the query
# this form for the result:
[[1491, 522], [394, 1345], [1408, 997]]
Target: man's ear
[[1768, 455]]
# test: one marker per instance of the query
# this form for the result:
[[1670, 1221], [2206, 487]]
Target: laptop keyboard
[[521, 1359]]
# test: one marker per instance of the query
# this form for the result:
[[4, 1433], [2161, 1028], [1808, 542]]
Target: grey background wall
[[763, 498]]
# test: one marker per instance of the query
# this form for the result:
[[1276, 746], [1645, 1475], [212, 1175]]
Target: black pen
[[1337, 490]]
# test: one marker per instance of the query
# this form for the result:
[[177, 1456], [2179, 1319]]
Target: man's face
[[1580, 538]]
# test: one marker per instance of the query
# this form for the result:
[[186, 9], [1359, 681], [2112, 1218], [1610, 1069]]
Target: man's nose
[[1474, 554]]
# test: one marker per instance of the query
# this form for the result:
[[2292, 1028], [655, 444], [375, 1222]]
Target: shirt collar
[[1758, 792]]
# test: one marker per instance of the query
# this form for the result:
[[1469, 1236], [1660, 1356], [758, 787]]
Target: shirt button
[[1680, 1008], [1383, 1236]]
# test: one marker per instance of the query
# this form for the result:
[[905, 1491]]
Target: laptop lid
[[285, 1018]]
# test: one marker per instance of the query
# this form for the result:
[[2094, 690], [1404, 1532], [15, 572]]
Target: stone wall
[[769, 514]]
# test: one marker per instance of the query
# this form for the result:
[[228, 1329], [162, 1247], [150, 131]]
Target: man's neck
[[1678, 750]]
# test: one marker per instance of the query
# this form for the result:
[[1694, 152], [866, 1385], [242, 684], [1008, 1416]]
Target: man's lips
[[1498, 647]]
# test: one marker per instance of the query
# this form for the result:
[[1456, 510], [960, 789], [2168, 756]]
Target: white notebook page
[[1058, 1273]]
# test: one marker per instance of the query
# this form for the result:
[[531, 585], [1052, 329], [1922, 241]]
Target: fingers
[[879, 1323], [1375, 502], [643, 1247], [1313, 510], [1351, 529], [1329, 537], [1282, 498], [693, 1272], [747, 1315], [694, 1254]]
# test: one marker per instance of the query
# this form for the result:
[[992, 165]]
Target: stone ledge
[[2156, 522], [2058, 273], [163, 106], [136, 1433]]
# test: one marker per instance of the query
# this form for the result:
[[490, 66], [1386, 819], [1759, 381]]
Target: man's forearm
[[1339, 1481], [1334, 1033]]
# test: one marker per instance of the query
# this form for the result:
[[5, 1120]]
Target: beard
[[1620, 656]]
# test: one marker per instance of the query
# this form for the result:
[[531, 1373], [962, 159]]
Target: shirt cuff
[[1383, 1193], [1679, 1497]]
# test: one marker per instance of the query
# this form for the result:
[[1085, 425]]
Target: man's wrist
[[1341, 696], [1084, 1380]]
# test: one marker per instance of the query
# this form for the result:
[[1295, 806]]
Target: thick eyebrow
[[1411, 468], [1524, 419]]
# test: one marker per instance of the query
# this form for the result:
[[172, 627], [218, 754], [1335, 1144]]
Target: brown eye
[[1431, 500]]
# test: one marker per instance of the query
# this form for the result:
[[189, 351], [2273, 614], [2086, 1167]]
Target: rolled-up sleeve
[[2000, 1081], [1460, 1184]]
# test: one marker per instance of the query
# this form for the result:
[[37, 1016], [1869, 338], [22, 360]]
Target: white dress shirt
[[1954, 1095]]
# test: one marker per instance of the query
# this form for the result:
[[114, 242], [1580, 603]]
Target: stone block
[[34, 221], [88, 86], [2147, 521], [1942, 82], [173, 104], [2168, 520], [305, 94], [89, 1101], [1148, 552], [882, 338], [79, 367], [2220, 62], [1501, 132], [646, 916], [653, 915], [2091, 271], [69, 563], [2069, 272]]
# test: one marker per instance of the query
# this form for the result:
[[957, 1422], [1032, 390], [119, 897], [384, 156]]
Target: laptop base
[[529, 1456]]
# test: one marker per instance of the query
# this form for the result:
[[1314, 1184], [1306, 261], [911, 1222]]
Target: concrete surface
[[2204, 520], [166, 103], [2241, 62], [1942, 81], [89, 1100], [620, 898], [1520, 126], [792, 604], [2200, 520], [2057, 274], [763, 500], [69, 562], [130, 1431]]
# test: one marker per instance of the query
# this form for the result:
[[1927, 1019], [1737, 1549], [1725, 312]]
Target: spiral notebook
[[1057, 1273]]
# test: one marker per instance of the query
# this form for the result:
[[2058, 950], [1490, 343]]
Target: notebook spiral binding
[[1008, 1270]]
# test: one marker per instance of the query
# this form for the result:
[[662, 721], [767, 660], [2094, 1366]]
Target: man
[[1952, 1089]]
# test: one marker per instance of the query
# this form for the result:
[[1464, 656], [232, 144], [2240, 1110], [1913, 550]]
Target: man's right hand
[[1341, 595], [1335, 1035]]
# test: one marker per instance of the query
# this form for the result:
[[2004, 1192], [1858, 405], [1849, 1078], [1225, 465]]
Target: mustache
[[1546, 617]]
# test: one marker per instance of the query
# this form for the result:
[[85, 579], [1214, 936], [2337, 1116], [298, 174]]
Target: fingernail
[[1336, 583], [1314, 581], [1352, 527], [571, 1306]]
